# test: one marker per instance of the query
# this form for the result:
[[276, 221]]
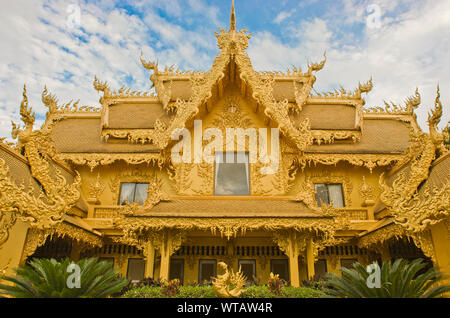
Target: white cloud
[[39, 49], [410, 49], [283, 15], [406, 52]]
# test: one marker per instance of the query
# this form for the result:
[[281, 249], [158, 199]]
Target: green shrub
[[196, 292], [171, 288], [144, 292], [302, 292], [398, 280], [275, 283], [207, 292], [48, 278]]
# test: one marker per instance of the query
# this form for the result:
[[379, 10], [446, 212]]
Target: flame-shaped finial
[[232, 17]]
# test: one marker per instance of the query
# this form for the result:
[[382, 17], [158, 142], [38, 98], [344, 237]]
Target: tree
[[48, 278]]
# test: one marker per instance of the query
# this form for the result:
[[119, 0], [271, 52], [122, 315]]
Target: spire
[[233, 17]]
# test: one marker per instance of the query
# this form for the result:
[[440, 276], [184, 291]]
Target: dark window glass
[[320, 268], [133, 193], [206, 270], [136, 269], [176, 270], [280, 267], [328, 193], [348, 263], [232, 178], [248, 268]]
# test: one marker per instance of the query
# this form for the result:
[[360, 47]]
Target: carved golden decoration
[[329, 137], [390, 108], [307, 194], [43, 211], [95, 190], [51, 102], [179, 175], [94, 160], [7, 221], [411, 208], [343, 93], [367, 193], [155, 194], [232, 116], [164, 94], [285, 176], [205, 171], [227, 227], [369, 161], [229, 285], [36, 237]]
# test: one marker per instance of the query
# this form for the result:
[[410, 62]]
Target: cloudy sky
[[403, 44]]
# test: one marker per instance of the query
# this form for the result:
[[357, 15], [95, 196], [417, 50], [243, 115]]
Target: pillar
[[310, 258], [165, 250], [149, 260], [293, 260]]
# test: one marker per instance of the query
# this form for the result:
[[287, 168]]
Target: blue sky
[[403, 44]]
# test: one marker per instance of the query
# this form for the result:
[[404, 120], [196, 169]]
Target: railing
[[106, 212], [355, 214]]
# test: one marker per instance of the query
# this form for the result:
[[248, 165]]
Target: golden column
[[291, 242], [293, 260], [149, 253], [310, 258], [169, 241]]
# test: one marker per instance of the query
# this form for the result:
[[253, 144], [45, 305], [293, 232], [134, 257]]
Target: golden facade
[[71, 187]]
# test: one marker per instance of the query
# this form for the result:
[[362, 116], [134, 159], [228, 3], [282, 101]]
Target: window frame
[[248, 261], [128, 266], [206, 261], [323, 260], [284, 260], [348, 259], [248, 174], [328, 193], [134, 191], [177, 260]]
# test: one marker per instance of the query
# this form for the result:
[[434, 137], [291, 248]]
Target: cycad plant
[[398, 280], [48, 278]]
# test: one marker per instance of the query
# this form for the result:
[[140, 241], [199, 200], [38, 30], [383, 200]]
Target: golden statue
[[223, 283]]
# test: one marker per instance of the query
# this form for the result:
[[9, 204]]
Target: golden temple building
[[343, 182]]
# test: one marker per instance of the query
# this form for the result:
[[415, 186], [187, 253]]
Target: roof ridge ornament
[[232, 17]]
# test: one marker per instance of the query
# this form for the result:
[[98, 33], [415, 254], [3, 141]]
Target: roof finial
[[233, 17]]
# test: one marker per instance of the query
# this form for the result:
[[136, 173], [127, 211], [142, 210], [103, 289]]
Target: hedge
[[207, 292]]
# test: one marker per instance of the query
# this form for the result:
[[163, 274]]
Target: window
[[176, 270], [136, 269], [348, 263], [328, 193], [206, 270], [320, 268], [232, 174], [280, 267], [248, 268], [133, 193]]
